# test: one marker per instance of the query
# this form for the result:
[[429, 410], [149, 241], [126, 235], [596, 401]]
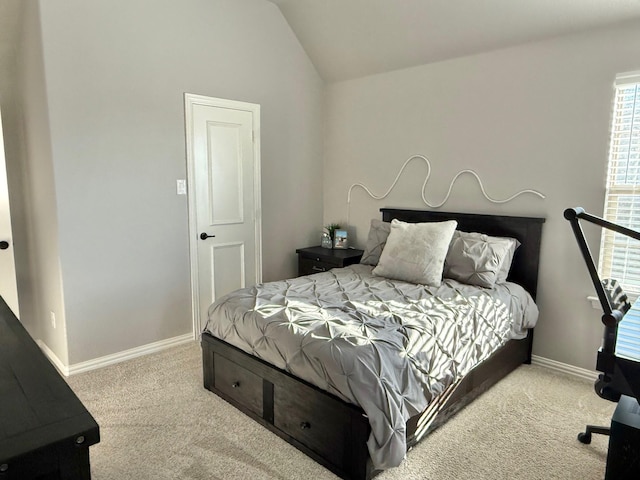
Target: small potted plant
[[331, 230]]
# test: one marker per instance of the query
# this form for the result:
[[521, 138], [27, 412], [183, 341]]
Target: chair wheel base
[[584, 437]]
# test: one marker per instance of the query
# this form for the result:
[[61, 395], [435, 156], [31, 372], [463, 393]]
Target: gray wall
[[37, 249], [114, 74], [96, 141], [535, 116]]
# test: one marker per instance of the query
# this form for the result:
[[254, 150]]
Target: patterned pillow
[[378, 233], [478, 259], [415, 252]]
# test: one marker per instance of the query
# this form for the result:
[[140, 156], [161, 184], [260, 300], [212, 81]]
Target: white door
[[224, 198], [8, 287]]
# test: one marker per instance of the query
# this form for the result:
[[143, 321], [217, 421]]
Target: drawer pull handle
[[317, 269], [235, 384], [305, 425]]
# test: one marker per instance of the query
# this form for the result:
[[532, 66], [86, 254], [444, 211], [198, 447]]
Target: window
[[620, 255]]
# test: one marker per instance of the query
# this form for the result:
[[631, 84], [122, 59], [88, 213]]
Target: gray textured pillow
[[415, 252], [378, 233], [478, 259]]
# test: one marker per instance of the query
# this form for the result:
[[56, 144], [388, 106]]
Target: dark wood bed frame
[[333, 432]]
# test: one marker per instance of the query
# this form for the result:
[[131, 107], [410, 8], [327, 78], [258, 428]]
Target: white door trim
[[189, 101], [8, 280]]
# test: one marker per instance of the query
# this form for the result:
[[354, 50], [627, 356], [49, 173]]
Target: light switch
[[181, 186]]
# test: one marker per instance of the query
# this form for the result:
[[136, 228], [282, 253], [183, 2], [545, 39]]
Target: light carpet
[[158, 422]]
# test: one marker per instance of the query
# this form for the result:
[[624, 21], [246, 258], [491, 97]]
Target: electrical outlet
[[52, 317]]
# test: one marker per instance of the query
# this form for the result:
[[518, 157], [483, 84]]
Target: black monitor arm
[[619, 374]]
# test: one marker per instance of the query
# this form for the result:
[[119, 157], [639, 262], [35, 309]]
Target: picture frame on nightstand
[[340, 239]]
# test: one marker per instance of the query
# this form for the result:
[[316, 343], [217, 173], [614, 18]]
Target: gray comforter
[[385, 345]]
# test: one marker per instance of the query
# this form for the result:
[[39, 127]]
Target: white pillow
[[415, 252]]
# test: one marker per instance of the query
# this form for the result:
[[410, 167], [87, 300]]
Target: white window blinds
[[620, 255]]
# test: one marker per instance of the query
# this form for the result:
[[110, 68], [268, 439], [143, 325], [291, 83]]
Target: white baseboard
[[113, 358], [62, 368], [583, 373], [100, 362]]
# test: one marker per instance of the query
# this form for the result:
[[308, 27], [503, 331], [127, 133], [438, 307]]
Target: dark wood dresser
[[318, 259], [45, 431]]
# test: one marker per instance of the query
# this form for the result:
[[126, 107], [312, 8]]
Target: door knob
[[4, 245], [204, 236]]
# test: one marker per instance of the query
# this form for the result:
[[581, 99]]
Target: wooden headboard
[[527, 230]]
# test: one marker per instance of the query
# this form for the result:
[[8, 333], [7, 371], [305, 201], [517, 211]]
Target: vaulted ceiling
[[353, 38]]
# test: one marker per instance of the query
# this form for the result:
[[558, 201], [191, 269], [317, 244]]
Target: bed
[[311, 390]]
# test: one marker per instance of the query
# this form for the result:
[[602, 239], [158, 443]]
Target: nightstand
[[318, 259]]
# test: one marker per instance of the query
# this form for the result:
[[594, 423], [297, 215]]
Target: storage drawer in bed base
[[352, 426], [333, 432]]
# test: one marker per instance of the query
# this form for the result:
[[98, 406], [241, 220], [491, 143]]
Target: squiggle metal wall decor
[[437, 205]]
